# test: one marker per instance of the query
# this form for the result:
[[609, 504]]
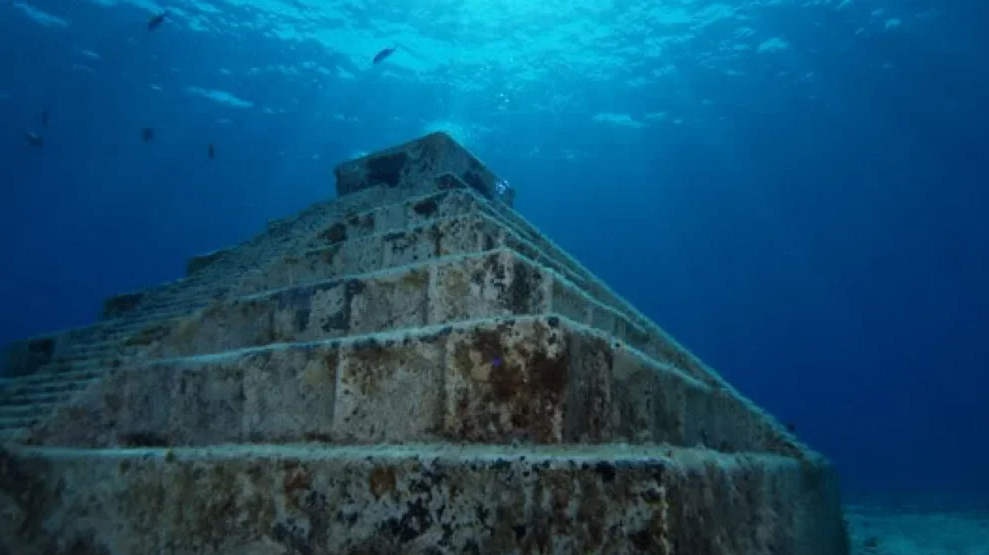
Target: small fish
[[34, 139], [156, 21], [211, 152], [380, 56], [791, 427], [147, 134], [44, 117]]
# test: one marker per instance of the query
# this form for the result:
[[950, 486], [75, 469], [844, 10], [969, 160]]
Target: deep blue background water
[[814, 227]]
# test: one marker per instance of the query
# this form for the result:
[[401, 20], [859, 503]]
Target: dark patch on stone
[[336, 233], [482, 513], [355, 287], [382, 481], [415, 522], [341, 319], [328, 255], [369, 344], [427, 207], [302, 319], [386, 169], [122, 304], [43, 347], [392, 237], [549, 375], [148, 335], [297, 478], [86, 546], [522, 288], [348, 518], [606, 471], [27, 492], [436, 234], [449, 181], [142, 439], [289, 534], [197, 263], [317, 437]]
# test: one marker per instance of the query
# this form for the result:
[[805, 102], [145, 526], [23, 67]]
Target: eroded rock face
[[411, 368], [538, 378], [407, 165], [429, 499]]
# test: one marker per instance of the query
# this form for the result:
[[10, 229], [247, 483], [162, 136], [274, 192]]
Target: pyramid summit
[[409, 368]]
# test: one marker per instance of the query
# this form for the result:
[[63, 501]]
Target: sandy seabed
[[905, 530]]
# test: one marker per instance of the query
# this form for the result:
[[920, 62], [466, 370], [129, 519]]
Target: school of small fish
[[148, 134]]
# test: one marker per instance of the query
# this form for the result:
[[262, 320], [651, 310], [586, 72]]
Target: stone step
[[459, 235], [17, 423], [11, 434], [33, 411], [533, 379], [450, 236], [410, 213], [59, 367], [207, 284], [442, 291], [418, 211], [393, 217], [54, 387], [30, 398], [438, 499], [52, 378], [83, 354]]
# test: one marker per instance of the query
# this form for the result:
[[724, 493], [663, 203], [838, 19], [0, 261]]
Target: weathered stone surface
[[198, 263], [423, 159], [528, 379], [416, 499], [119, 305], [440, 291], [461, 384]]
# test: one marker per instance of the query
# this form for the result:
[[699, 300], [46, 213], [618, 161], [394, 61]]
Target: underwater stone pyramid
[[410, 368]]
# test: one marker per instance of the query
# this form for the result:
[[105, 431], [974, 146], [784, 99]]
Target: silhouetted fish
[[211, 152], [156, 21], [34, 139], [147, 134], [380, 56], [44, 117]]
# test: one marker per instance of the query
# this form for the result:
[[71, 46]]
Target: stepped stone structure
[[409, 368]]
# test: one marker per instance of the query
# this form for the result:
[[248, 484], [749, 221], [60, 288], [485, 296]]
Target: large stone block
[[417, 499], [418, 161], [531, 379]]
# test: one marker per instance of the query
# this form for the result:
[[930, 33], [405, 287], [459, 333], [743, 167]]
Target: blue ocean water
[[795, 189]]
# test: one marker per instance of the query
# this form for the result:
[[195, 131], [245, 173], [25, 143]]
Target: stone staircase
[[131, 319], [410, 368]]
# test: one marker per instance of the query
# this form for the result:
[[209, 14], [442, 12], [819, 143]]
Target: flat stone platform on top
[[409, 368]]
